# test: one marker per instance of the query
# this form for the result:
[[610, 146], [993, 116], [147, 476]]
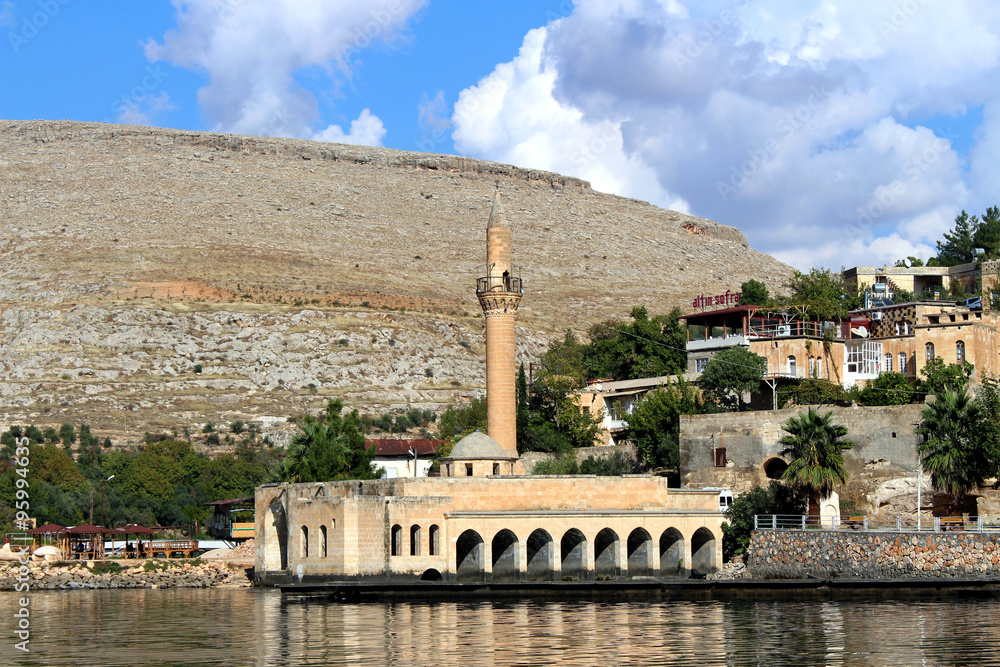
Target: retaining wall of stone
[[796, 554]]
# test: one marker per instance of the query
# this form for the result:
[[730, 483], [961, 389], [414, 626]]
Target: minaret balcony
[[508, 282]]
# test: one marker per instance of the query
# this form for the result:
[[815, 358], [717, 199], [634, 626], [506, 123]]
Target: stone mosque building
[[484, 520]]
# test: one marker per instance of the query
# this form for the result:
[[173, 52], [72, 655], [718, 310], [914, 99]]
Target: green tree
[[67, 434], [815, 445], [462, 420], [640, 349], [889, 388], [957, 246], [654, 425], [731, 373], [825, 293], [938, 375], [754, 293], [566, 358], [987, 235], [814, 391], [330, 448], [959, 447], [777, 498]]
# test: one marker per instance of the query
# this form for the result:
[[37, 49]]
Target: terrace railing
[[864, 523]]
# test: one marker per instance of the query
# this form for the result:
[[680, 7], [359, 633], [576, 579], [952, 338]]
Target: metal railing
[[499, 284], [862, 523]]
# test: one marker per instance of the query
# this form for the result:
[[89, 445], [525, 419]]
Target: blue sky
[[831, 133]]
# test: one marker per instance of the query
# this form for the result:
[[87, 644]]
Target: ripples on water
[[242, 627]]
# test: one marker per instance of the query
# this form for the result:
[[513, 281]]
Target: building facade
[[485, 529]]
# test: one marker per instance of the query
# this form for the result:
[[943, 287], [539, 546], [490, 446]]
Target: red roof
[[86, 529], [47, 529], [393, 447], [133, 529]]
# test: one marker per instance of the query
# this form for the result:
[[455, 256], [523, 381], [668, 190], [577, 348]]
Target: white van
[[725, 496]]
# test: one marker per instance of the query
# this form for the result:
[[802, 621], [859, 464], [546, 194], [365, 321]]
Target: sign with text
[[719, 300]]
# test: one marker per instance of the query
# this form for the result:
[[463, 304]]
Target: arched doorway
[[639, 546], [539, 551], [774, 468], [703, 552], [573, 551], [469, 563], [276, 537], [671, 553], [506, 557], [606, 548]]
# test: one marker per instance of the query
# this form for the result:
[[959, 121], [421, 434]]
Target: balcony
[[505, 283], [717, 342]]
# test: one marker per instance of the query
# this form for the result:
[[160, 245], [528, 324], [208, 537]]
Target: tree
[[462, 420], [815, 446], [889, 388], [753, 293], [654, 425], [640, 349], [824, 292], [813, 391], [938, 375], [958, 245], [330, 448], [555, 421], [987, 235], [731, 373], [67, 434], [777, 498], [959, 447], [565, 358]]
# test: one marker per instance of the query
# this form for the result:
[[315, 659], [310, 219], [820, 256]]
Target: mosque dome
[[478, 445]]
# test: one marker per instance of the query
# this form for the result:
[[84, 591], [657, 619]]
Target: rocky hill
[[154, 279]]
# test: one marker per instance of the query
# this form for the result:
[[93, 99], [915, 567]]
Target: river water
[[259, 627]]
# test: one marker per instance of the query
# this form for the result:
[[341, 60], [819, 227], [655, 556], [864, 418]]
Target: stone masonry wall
[[794, 554]]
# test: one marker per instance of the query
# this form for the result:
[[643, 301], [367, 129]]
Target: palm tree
[[816, 448], [954, 449]]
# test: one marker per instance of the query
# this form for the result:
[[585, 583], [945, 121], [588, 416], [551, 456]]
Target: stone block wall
[[795, 554]]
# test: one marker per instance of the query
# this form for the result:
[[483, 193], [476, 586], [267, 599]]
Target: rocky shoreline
[[152, 574]]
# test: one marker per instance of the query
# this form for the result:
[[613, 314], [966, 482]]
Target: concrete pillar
[[487, 553], [588, 558], [686, 555], [653, 556], [522, 560], [621, 557]]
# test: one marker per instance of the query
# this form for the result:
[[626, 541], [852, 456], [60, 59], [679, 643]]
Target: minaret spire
[[499, 293]]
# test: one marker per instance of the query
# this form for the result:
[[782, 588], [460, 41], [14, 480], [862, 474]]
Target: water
[[256, 627]]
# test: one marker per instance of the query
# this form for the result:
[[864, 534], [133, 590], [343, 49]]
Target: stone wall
[[794, 554]]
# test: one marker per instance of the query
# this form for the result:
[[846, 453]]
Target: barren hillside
[[155, 278]]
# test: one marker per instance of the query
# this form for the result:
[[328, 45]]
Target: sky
[[831, 133]]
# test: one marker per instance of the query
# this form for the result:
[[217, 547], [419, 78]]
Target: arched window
[[322, 541], [395, 548], [929, 349], [812, 367], [819, 367], [434, 548], [305, 542], [791, 366], [960, 351], [888, 363], [415, 540], [902, 362]]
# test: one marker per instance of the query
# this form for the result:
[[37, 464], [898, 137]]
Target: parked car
[[972, 303]]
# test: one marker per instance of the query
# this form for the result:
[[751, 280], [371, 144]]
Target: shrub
[[197, 368]]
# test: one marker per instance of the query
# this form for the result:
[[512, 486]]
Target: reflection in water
[[238, 627]]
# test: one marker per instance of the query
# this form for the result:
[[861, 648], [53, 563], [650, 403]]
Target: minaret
[[499, 293]]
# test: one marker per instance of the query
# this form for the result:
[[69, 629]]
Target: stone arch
[[434, 540], [431, 575], [671, 553], [322, 541], [703, 552], [396, 541], [573, 553], [639, 546], [276, 537], [469, 557], [606, 546], [540, 551], [774, 467], [415, 539], [506, 556], [304, 543]]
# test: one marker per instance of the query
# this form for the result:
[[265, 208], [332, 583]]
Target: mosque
[[484, 520]]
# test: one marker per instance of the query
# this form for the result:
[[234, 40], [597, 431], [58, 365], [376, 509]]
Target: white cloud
[[792, 121], [141, 111], [366, 130], [252, 50]]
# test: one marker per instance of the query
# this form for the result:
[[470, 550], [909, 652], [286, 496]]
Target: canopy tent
[[134, 550], [85, 541], [48, 533]]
